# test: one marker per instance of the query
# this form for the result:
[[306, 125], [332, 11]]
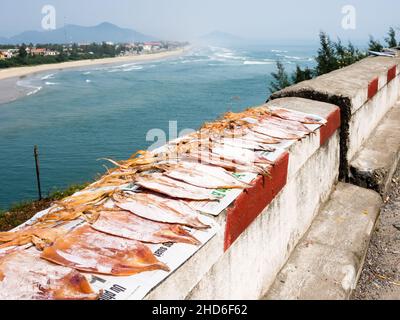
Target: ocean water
[[77, 117]]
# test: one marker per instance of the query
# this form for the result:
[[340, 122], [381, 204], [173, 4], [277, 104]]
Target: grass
[[61, 194], [23, 211]]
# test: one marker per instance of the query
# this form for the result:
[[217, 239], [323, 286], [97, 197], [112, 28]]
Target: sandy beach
[[10, 90], [24, 71]]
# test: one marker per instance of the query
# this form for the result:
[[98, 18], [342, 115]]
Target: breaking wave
[[224, 54], [247, 62], [36, 90], [27, 84], [49, 76], [132, 68], [294, 57]]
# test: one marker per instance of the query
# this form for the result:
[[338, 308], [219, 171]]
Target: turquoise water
[[79, 116]]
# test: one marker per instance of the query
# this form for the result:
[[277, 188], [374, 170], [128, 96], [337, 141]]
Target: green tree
[[300, 75], [281, 78], [331, 56], [22, 51], [346, 56], [391, 39], [326, 58], [374, 45], [74, 51], [355, 53], [341, 53], [62, 56]]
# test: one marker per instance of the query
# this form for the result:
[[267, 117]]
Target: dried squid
[[173, 188], [40, 236], [124, 224], [89, 250], [161, 209], [204, 176], [296, 116], [24, 276]]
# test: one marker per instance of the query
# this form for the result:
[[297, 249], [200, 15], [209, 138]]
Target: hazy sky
[[187, 19]]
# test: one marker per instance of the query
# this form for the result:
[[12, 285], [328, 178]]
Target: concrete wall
[[260, 230], [251, 264], [364, 91]]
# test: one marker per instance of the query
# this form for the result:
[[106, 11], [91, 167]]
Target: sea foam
[[247, 62], [49, 76]]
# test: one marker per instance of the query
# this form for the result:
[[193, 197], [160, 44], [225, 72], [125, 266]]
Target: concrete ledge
[[374, 165], [357, 83], [327, 262], [364, 91], [260, 230], [251, 264]]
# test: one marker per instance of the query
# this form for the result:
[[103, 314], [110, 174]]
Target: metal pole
[[36, 154]]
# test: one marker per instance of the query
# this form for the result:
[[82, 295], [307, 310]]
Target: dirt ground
[[380, 278]]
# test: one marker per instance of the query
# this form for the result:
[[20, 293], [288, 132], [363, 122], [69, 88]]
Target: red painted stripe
[[391, 73], [373, 88], [252, 202], [330, 128]]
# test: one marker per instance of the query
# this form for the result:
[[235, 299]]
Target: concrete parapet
[[364, 91], [262, 227]]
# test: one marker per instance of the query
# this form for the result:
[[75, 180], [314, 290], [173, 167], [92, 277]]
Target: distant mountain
[[220, 38], [79, 34]]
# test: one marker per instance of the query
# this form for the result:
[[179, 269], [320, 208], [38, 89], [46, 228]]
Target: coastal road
[[380, 278]]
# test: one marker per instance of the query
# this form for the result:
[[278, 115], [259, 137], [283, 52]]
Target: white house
[[151, 46], [6, 54], [51, 53]]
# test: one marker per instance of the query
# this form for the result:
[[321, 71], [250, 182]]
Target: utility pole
[[65, 30], [36, 154]]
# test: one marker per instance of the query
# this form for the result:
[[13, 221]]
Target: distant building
[[38, 51], [147, 47], [42, 52], [6, 54], [152, 46], [51, 53]]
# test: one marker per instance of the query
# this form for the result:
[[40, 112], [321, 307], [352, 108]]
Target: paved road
[[380, 278]]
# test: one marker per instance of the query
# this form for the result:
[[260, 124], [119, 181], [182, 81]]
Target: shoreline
[[11, 91], [18, 72]]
